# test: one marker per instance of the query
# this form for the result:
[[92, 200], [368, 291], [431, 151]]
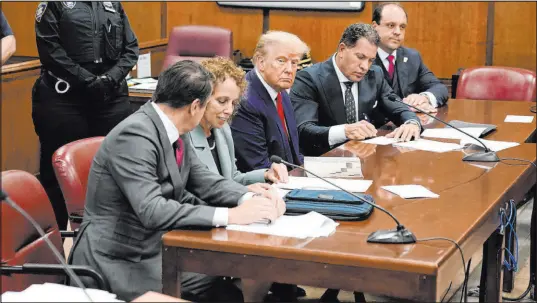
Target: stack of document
[[451, 133], [356, 186], [305, 226], [340, 167], [143, 84], [51, 292]]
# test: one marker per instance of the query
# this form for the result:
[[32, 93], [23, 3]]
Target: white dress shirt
[[384, 58], [336, 134], [220, 217]]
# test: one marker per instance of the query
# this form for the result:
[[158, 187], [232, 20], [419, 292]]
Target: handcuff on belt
[[60, 82]]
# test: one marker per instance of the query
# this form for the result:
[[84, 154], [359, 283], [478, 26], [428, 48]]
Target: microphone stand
[[68, 270], [398, 235], [486, 156]]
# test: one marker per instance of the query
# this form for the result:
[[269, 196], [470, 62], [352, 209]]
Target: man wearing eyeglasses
[[403, 67]]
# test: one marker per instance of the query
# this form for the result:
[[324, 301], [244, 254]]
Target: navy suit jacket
[[318, 103], [413, 77], [257, 131]]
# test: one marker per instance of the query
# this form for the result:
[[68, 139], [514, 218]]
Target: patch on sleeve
[[41, 8]]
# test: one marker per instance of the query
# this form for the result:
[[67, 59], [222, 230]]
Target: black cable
[[68, 270], [517, 159], [522, 296], [465, 269], [533, 109]]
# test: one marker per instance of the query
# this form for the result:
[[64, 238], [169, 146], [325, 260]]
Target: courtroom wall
[[449, 35]]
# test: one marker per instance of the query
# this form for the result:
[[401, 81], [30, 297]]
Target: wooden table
[[467, 211]]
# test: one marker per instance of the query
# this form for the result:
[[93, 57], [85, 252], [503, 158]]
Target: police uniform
[[86, 51]]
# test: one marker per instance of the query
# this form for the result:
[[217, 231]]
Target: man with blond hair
[[265, 123]]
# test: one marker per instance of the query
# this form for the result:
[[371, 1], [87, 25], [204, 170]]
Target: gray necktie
[[350, 107]]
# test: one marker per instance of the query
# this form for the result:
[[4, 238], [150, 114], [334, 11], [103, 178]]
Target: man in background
[[403, 67], [8, 42]]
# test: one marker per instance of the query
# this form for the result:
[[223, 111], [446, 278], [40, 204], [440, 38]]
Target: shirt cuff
[[245, 197], [432, 98], [336, 135], [413, 121], [220, 216]]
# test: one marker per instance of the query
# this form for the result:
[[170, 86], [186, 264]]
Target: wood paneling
[[246, 24], [320, 30], [20, 145], [514, 34], [21, 18], [145, 19], [449, 35]]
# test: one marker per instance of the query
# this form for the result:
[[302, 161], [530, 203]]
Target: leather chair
[[496, 83], [72, 163], [197, 42], [26, 258]]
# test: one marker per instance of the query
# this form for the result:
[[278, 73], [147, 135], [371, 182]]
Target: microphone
[[4, 197], [486, 156], [399, 235]]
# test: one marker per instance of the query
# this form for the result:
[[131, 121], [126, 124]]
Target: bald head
[[276, 57]]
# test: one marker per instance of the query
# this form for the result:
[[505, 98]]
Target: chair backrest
[[21, 243], [72, 163], [197, 42], [496, 83]]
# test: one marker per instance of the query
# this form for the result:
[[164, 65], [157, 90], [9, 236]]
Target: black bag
[[335, 204]]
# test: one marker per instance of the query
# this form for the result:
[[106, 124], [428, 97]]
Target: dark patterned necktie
[[179, 151], [350, 107]]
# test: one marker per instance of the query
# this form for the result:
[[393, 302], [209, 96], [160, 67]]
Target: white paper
[[518, 119], [51, 292], [145, 86], [429, 145], [357, 186], [143, 80], [311, 224], [410, 191], [492, 145], [451, 133], [340, 167], [144, 66], [380, 141]]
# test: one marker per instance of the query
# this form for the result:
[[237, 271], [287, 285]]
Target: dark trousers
[[63, 118]]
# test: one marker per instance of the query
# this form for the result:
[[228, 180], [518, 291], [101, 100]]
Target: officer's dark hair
[[377, 12], [359, 30], [182, 83]]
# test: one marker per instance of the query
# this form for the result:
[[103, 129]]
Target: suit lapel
[[402, 71], [200, 144], [223, 153], [263, 94], [332, 91], [169, 156]]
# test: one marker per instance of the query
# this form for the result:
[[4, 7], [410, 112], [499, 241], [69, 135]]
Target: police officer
[[86, 51]]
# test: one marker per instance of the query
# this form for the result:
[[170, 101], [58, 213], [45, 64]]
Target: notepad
[[309, 225], [518, 119], [357, 186], [410, 191]]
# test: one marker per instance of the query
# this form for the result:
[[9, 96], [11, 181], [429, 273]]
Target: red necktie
[[281, 114], [391, 66], [179, 151]]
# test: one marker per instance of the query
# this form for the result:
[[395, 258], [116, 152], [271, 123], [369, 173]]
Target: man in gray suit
[[136, 186], [403, 67]]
